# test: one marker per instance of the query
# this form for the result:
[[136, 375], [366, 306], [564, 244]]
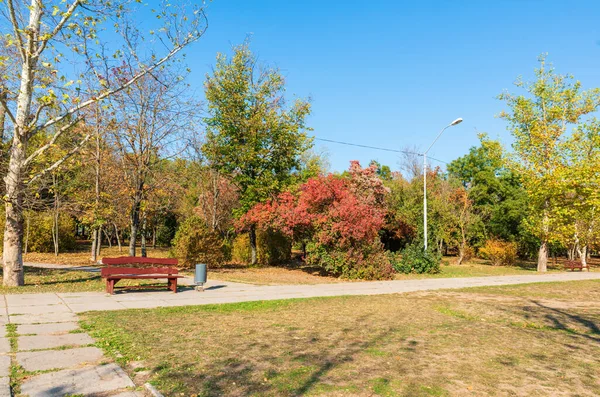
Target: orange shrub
[[500, 253]]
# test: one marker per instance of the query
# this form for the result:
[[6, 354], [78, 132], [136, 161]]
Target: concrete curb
[[153, 390]]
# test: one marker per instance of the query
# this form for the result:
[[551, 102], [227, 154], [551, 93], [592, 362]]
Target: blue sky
[[393, 73]]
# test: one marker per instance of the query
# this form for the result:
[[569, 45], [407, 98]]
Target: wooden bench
[[575, 265], [114, 271]]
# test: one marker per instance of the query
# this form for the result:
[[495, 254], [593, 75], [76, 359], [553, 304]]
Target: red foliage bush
[[338, 215]]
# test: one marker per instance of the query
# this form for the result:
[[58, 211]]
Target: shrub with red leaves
[[339, 217]]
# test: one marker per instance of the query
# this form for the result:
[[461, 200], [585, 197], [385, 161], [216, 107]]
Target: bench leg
[[173, 285]]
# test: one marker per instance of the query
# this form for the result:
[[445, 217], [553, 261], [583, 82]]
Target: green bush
[[366, 263], [500, 253], [273, 248], [39, 238], [195, 243], [414, 259], [241, 253]]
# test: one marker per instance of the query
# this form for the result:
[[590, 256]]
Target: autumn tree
[[151, 115], [253, 137], [498, 200], [539, 121], [47, 35]]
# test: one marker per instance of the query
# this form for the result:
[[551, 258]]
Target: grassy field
[[527, 340]]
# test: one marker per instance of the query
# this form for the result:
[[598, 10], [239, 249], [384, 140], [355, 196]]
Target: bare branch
[[36, 117], [15, 23], [108, 93], [62, 160], [57, 135], [57, 28], [7, 110]]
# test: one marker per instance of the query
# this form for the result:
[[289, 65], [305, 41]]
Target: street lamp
[[455, 122]]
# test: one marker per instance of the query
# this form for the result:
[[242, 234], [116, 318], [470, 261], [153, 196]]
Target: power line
[[377, 148]]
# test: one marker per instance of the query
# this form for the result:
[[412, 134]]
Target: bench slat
[[148, 276], [109, 271], [138, 260]]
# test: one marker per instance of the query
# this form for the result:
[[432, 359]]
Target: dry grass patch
[[467, 343]]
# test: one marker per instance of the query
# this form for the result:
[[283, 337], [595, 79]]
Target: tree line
[[102, 139]]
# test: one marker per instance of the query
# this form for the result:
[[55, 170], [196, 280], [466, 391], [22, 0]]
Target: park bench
[[575, 265], [114, 271]]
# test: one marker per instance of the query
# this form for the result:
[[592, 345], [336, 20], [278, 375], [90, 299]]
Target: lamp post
[[455, 122]]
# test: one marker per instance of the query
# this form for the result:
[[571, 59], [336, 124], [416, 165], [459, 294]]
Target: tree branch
[[62, 160], [57, 135], [108, 93], [15, 24], [58, 27], [7, 110]]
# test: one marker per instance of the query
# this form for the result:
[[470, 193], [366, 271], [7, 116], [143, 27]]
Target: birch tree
[[63, 41]]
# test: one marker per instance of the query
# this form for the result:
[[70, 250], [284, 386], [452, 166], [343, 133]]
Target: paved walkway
[[61, 360], [58, 305], [57, 356]]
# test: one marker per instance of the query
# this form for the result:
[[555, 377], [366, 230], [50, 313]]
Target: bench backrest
[[111, 271], [138, 260]]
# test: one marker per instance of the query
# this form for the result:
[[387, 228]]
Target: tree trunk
[[118, 237], [154, 237], [144, 252], [27, 232], [3, 96], [99, 242], [583, 253], [94, 257], [108, 238], [135, 225], [13, 229], [55, 235], [542, 264], [253, 244]]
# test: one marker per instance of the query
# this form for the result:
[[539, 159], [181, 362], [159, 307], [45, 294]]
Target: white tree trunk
[[542, 264], [13, 230]]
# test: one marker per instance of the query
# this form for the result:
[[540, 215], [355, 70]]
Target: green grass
[[479, 341], [39, 280]]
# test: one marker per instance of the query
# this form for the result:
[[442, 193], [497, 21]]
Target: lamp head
[[457, 121]]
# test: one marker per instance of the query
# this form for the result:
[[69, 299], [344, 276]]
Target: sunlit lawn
[[523, 340], [81, 257]]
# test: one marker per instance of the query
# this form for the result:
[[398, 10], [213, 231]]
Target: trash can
[[200, 276]]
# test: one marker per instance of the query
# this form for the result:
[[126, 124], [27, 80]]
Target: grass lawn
[[81, 257], [537, 339], [55, 280], [39, 280]]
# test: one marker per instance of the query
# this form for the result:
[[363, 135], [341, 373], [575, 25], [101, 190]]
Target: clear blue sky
[[393, 73]]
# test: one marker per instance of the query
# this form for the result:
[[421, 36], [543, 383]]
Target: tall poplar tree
[[252, 135]]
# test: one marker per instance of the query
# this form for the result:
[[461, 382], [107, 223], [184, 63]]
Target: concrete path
[[56, 357], [55, 307], [59, 358]]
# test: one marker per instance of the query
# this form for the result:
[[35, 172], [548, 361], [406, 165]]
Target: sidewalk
[[60, 359], [54, 305]]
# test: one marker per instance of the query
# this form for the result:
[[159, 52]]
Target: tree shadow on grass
[[558, 316], [303, 367], [49, 276]]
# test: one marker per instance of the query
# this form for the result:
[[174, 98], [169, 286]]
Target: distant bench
[[575, 265], [114, 271]]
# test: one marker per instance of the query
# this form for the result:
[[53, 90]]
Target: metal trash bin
[[200, 276]]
